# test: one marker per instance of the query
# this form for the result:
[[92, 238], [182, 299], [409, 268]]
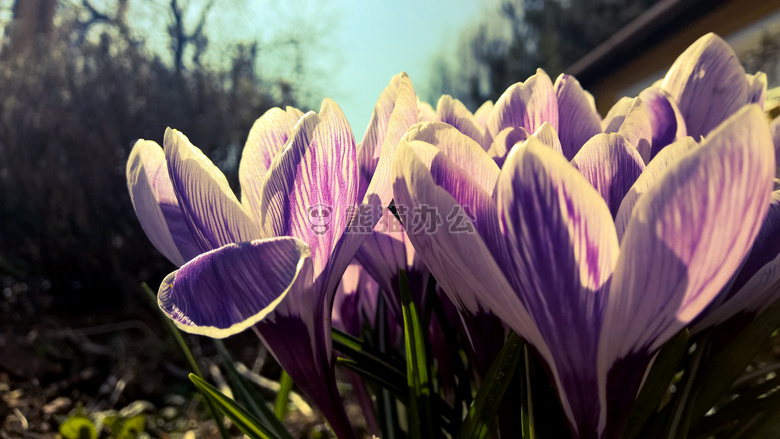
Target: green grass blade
[[417, 374], [483, 410], [248, 395], [188, 357], [283, 396], [367, 356], [244, 420]]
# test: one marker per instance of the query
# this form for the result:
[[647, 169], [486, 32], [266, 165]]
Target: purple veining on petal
[[563, 246], [224, 291], [452, 111], [525, 105], [266, 139], [504, 142], [578, 119], [211, 210], [665, 119], [156, 205], [311, 190], [686, 237], [611, 165], [708, 83]]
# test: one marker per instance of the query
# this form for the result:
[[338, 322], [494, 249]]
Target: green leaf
[[285, 386], [244, 420], [248, 395], [399, 388], [188, 357], [665, 366], [366, 356], [78, 427], [483, 410], [725, 365], [420, 417]]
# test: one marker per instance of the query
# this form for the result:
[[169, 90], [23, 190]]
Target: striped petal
[[394, 99], [526, 105], [754, 287], [483, 113], [211, 210], [687, 236], [666, 120], [311, 187], [616, 115], [546, 134], [225, 291], [637, 128], [578, 119], [156, 205], [452, 111], [708, 83], [647, 179], [266, 139], [611, 165], [563, 247], [504, 142]]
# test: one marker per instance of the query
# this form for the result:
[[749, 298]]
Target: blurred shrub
[[70, 110]]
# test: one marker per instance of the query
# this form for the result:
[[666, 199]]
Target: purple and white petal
[[393, 99], [210, 208], [616, 115], [525, 105], [311, 188], [379, 193], [647, 179], [637, 128], [687, 236], [578, 119], [425, 112], [227, 290], [754, 287], [708, 83], [666, 120], [611, 165], [266, 139], [546, 134], [459, 148], [563, 247], [482, 114], [156, 205], [504, 142], [461, 262], [452, 111]]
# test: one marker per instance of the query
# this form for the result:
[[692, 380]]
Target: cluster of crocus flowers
[[596, 240]]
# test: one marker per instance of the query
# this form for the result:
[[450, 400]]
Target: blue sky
[[378, 39], [354, 47]]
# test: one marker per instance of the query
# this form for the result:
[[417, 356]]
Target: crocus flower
[[594, 298], [273, 261]]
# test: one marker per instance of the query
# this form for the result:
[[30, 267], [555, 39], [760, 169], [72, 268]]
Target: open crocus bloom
[[595, 299], [272, 261]]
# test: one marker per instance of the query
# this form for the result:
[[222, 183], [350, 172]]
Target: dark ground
[[122, 361]]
